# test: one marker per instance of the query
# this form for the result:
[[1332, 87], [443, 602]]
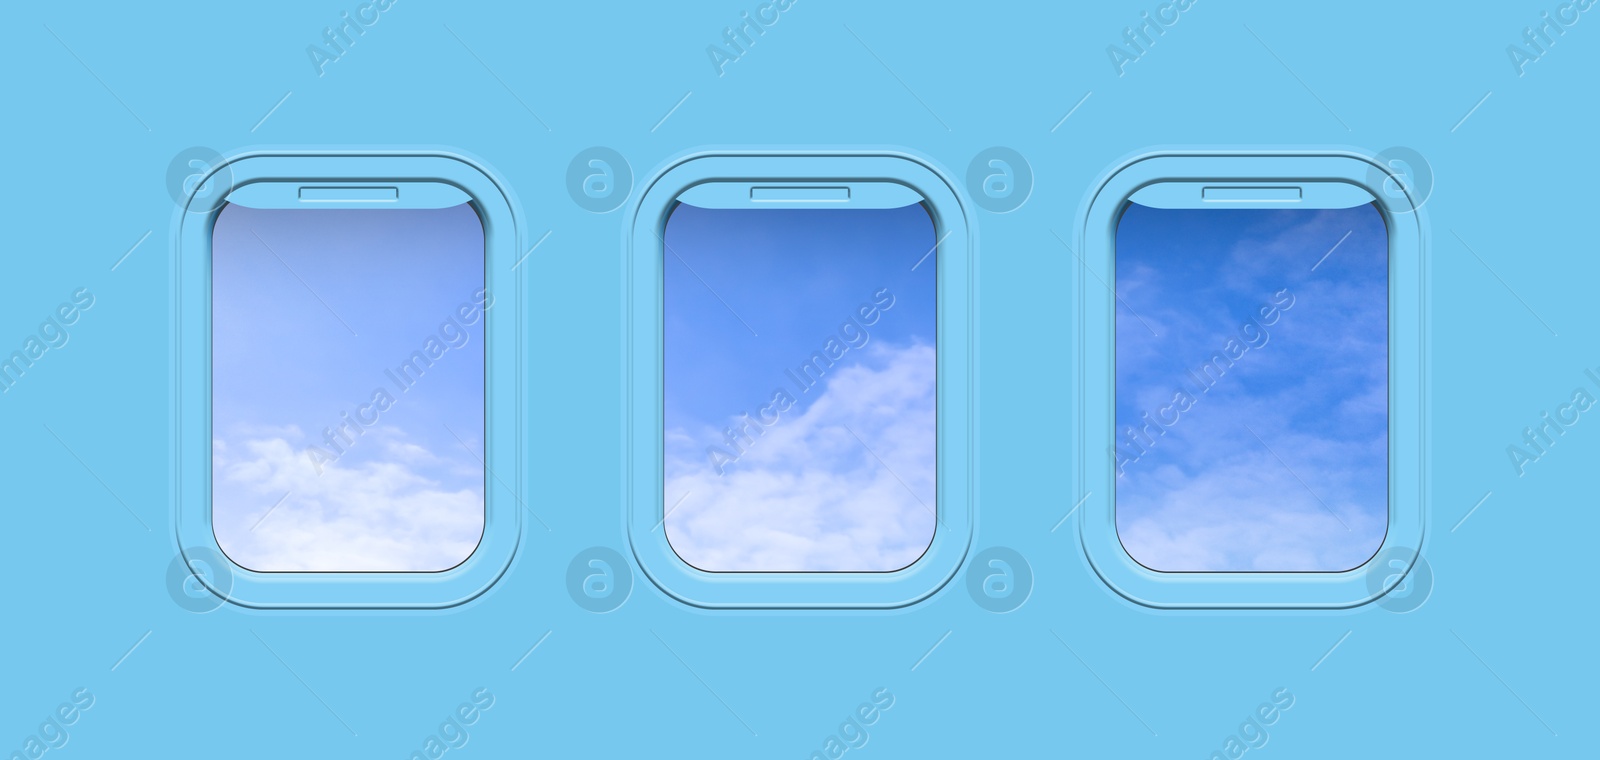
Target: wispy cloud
[[405, 510], [809, 496], [1307, 491]]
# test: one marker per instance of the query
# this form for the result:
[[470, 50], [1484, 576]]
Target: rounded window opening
[[348, 378], [1252, 405], [799, 379]]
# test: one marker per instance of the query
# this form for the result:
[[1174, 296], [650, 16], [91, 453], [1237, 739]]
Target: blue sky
[[750, 295], [310, 308], [1281, 464]]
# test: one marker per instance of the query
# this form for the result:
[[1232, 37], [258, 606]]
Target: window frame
[[644, 419], [1095, 352], [502, 526]]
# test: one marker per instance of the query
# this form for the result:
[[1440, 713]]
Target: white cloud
[[1249, 514], [1211, 496], [809, 496], [379, 515]]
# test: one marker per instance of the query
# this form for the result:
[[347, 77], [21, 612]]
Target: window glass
[[348, 388], [799, 388], [1252, 387]]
